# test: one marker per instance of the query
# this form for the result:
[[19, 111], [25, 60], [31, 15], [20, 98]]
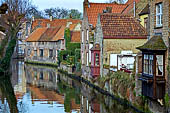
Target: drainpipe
[[134, 8]]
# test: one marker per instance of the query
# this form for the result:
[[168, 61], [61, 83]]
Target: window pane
[[41, 52], [50, 53], [151, 65], [159, 65], [97, 60], [159, 14]]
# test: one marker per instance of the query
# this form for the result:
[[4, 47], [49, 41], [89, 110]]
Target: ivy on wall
[[5, 62], [71, 55], [63, 55]]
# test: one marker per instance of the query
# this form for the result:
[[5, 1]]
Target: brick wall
[[164, 29], [46, 47]]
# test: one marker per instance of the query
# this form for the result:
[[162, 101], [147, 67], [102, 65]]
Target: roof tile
[[95, 8], [121, 26], [75, 36]]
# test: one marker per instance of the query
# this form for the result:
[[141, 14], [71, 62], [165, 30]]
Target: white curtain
[[160, 62]]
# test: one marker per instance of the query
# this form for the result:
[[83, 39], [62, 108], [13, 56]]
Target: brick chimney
[[51, 18]]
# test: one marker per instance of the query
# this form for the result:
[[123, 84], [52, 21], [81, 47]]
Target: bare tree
[[58, 13], [61, 13], [12, 20], [33, 11]]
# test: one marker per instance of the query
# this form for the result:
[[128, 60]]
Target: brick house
[[90, 13], [118, 36], [41, 45], [45, 42], [155, 80]]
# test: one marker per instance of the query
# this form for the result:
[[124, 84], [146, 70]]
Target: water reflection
[[43, 90], [8, 102]]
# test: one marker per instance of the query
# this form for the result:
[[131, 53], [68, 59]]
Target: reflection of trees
[[70, 93], [8, 93]]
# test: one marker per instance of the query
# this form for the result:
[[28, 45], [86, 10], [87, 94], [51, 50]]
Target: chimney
[[33, 18], [51, 18], [86, 3], [109, 9]]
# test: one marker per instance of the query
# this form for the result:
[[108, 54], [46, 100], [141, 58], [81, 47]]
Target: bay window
[[148, 64]]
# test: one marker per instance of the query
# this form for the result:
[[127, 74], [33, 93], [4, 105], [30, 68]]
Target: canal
[[38, 89]]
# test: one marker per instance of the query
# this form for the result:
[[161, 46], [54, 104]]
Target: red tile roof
[[53, 34], [43, 34], [49, 34], [36, 35], [93, 9], [121, 26], [140, 4], [75, 36], [60, 34], [54, 23]]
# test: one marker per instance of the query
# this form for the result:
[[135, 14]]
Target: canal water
[[38, 89]]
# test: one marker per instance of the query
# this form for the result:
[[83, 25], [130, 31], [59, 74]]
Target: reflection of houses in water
[[41, 76], [43, 83], [18, 78], [41, 94], [89, 102]]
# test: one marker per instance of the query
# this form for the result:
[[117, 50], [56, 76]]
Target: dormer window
[[159, 15]]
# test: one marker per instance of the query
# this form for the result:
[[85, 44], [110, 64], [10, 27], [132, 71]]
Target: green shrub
[[78, 66], [77, 55], [63, 55], [71, 60], [72, 47], [106, 66], [166, 99]]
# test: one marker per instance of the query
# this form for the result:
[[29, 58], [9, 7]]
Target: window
[[41, 52], [97, 59], [35, 52], [87, 56], [145, 22], [159, 15], [50, 76], [148, 64], [29, 52], [87, 34], [50, 53], [92, 63], [35, 74], [159, 65], [41, 75]]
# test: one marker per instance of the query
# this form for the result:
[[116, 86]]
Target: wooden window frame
[[159, 15], [147, 65], [41, 50], [50, 53]]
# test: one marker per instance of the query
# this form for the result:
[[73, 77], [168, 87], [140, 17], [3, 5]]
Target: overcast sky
[[69, 4]]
